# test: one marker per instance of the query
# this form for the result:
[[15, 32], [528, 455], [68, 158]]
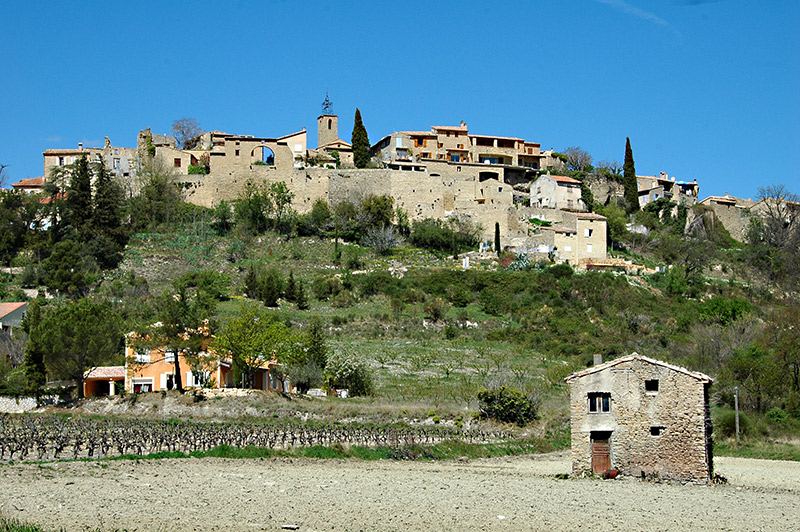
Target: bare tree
[[187, 132], [3, 174], [578, 159], [779, 212], [611, 167]]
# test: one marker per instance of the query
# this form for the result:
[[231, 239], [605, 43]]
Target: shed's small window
[[599, 402], [656, 430], [651, 385]]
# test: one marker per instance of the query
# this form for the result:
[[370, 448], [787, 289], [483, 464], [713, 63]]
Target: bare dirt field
[[520, 493]]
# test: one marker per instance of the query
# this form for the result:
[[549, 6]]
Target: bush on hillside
[[508, 405]]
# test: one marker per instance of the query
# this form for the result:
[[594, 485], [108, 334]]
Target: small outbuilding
[[642, 417]]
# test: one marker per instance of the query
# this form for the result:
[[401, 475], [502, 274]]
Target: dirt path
[[498, 494]]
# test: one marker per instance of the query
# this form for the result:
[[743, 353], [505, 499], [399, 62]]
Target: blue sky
[[706, 90]]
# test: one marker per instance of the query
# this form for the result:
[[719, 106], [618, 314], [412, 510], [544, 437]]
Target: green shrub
[[325, 288], [201, 170], [348, 370], [778, 416], [436, 309], [725, 424], [508, 405]]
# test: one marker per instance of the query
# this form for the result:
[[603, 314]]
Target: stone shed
[[642, 417]]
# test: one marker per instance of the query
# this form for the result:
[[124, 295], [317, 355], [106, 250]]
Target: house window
[[237, 153], [656, 430], [169, 356], [116, 164], [60, 161], [599, 402], [142, 356], [588, 233], [116, 152], [177, 162], [143, 385], [440, 144], [651, 385], [329, 123]]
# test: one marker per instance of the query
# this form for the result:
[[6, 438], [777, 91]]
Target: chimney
[[80, 146], [598, 359]]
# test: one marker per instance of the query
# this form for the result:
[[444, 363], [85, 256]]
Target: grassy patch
[[445, 450], [758, 449]]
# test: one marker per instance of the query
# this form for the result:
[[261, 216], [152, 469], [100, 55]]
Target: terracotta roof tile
[[8, 308], [565, 179], [636, 356], [105, 372], [31, 182]]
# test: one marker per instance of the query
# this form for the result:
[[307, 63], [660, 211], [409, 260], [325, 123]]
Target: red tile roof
[[565, 179], [8, 308], [29, 183], [450, 128], [418, 133], [106, 372], [590, 216]]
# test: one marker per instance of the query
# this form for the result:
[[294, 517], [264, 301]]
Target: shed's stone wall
[[679, 408]]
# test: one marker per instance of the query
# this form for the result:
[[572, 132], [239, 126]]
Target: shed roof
[[635, 356]]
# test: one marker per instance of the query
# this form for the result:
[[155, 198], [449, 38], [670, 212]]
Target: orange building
[[153, 369]]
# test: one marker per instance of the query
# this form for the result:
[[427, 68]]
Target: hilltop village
[[504, 183]]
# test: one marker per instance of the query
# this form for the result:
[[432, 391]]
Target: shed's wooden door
[[601, 452]]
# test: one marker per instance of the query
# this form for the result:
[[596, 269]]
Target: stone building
[[652, 188], [643, 417], [121, 162], [437, 174], [455, 144], [563, 236], [557, 192], [734, 213]]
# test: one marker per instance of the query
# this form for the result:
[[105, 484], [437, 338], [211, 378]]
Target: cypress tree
[[35, 369], [497, 238], [360, 142], [629, 180], [300, 297], [291, 289], [106, 223], [79, 196]]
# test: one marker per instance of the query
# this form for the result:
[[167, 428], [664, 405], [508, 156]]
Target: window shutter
[[189, 379], [163, 381]]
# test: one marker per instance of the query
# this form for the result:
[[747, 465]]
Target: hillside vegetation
[[361, 298]]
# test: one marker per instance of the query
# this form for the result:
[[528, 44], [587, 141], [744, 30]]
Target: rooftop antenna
[[327, 105]]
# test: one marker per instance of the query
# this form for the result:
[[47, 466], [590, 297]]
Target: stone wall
[[16, 405], [677, 410], [734, 217]]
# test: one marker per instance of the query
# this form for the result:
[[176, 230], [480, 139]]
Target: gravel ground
[[519, 493]]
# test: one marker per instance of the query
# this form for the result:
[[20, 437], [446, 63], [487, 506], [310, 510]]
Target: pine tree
[[629, 180], [360, 142]]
